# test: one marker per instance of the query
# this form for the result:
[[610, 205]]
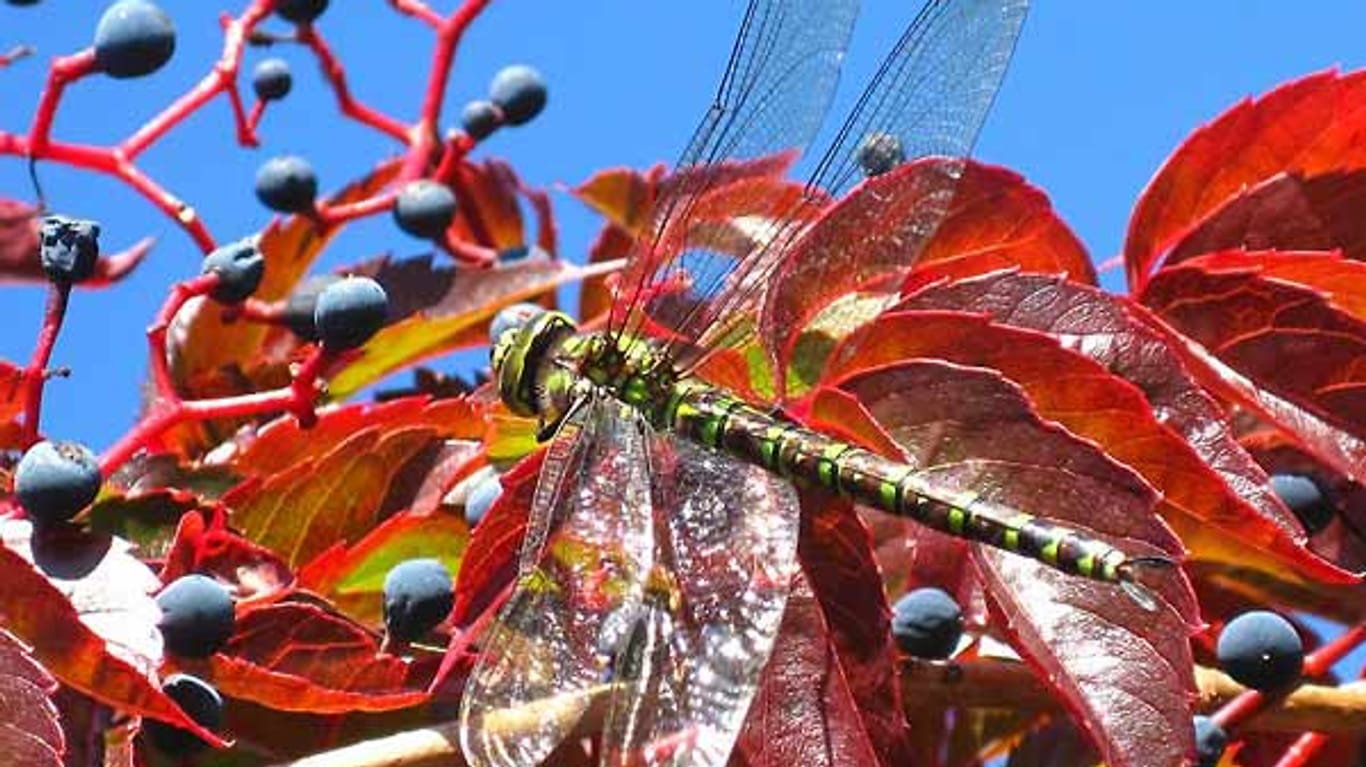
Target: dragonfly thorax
[[544, 366]]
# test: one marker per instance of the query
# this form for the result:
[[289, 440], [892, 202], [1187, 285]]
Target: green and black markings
[[532, 368]]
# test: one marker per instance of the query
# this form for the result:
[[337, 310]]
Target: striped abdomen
[[716, 419]]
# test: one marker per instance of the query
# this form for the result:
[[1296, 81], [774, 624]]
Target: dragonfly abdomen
[[714, 418]]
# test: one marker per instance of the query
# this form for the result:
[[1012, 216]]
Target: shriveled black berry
[[1261, 650], [196, 616], [240, 267], [55, 480], [300, 11], [1210, 742], [68, 248], [520, 92], [200, 701], [133, 38], [424, 208], [349, 312], [927, 623], [481, 498], [480, 119], [879, 153], [1304, 497], [514, 316], [271, 79], [417, 596], [287, 184]]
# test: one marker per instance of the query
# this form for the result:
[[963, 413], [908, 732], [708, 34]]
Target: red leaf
[[39, 614], [804, 711], [1307, 127], [282, 443], [1285, 212], [490, 561], [253, 572], [1125, 673], [340, 494], [969, 430], [836, 554], [1212, 519], [996, 220], [30, 734], [297, 657], [1288, 339], [489, 212], [1128, 342]]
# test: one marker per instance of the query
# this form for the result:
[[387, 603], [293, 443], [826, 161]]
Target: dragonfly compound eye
[[523, 357]]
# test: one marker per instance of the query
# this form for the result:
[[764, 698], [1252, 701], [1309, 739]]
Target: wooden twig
[[981, 684]]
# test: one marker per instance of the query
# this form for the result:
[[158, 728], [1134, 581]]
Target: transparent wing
[[929, 98], [588, 549], [684, 675], [782, 73]]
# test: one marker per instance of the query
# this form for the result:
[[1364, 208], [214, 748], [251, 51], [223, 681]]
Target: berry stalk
[[35, 375]]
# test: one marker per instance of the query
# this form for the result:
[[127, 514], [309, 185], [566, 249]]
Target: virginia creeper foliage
[[1154, 416]]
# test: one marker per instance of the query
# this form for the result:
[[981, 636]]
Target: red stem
[[336, 75], [63, 70], [418, 10], [35, 375], [331, 215], [1303, 750], [181, 292], [14, 54]]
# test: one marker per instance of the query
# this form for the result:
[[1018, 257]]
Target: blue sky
[[1098, 95]]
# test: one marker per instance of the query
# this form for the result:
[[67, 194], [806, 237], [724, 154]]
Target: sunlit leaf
[[874, 233], [352, 577], [1213, 520], [30, 734], [1306, 127], [969, 430], [298, 657], [34, 600], [1288, 339]]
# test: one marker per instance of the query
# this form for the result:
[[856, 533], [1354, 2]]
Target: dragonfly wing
[[929, 98], [712, 605], [589, 545], [782, 74]]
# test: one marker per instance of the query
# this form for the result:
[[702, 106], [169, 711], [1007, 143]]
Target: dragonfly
[[661, 539]]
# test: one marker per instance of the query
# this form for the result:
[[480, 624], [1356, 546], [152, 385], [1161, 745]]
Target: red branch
[[35, 375]]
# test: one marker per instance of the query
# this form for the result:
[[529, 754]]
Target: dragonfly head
[[527, 366]]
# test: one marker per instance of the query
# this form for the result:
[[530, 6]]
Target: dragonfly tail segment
[[715, 418]]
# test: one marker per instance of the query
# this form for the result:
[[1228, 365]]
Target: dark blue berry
[[271, 79], [417, 596], [134, 38], [300, 11], [349, 312], [1210, 742], [240, 267], [879, 153], [424, 208], [68, 248], [1304, 497], [302, 303], [927, 623], [1261, 650], [480, 119], [520, 92], [514, 316], [22, 2], [55, 480], [481, 498], [286, 184], [196, 616], [200, 701]]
